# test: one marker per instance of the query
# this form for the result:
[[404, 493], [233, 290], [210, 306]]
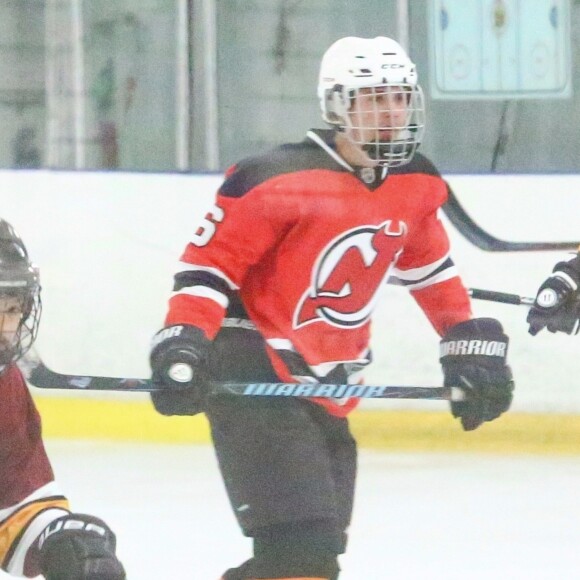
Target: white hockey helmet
[[379, 64]]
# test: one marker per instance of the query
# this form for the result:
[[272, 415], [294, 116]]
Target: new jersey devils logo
[[348, 274]]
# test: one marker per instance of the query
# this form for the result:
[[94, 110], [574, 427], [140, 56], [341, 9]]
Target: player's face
[[10, 317], [379, 113]]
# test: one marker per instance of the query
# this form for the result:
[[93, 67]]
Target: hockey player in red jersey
[[557, 303], [38, 532], [279, 282]]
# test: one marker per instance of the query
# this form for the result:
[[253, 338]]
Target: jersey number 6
[[207, 227]]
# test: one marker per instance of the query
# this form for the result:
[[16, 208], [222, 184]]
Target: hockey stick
[[485, 241], [39, 375], [506, 298]]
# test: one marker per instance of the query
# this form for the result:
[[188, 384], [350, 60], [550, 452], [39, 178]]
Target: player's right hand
[[557, 303], [178, 357]]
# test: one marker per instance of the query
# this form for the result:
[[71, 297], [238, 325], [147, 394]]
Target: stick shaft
[[504, 297], [42, 377], [39, 375], [482, 239], [324, 390]]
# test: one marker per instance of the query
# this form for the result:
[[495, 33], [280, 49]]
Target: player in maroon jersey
[[38, 532], [279, 282], [557, 303]]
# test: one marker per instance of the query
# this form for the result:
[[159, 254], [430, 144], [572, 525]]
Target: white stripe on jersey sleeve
[[16, 564], [415, 274], [204, 292], [49, 490], [446, 274]]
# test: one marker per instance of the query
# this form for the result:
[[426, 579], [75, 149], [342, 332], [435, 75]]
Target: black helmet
[[18, 277]]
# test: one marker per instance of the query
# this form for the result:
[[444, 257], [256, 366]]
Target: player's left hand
[[473, 357], [557, 304]]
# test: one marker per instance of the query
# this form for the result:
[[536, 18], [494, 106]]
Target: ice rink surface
[[417, 516]]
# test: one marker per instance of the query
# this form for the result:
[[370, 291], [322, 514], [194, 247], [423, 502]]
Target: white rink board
[[108, 243]]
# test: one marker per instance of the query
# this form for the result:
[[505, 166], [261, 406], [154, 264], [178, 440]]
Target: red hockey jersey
[[305, 242]]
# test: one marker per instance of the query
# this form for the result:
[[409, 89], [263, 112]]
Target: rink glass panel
[[96, 84]]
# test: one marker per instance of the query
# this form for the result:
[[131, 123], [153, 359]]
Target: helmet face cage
[[15, 344], [375, 76], [19, 295], [393, 124]]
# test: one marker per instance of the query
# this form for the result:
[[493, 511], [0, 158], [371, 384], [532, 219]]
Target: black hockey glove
[[79, 547], [473, 357], [178, 360], [557, 304]]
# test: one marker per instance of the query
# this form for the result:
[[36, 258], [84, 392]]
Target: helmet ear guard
[[335, 103]]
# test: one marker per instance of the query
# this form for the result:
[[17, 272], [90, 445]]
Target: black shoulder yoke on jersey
[[418, 164], [288, 158], [302, 156]]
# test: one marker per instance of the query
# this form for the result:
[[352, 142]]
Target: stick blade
[[42, 377]]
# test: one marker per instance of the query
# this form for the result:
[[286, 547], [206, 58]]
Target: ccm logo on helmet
[[481, 347], [60, 525]]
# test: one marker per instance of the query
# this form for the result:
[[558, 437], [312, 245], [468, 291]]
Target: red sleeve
[[218, 260], [445, 304], [426, 268], [427, 244]]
